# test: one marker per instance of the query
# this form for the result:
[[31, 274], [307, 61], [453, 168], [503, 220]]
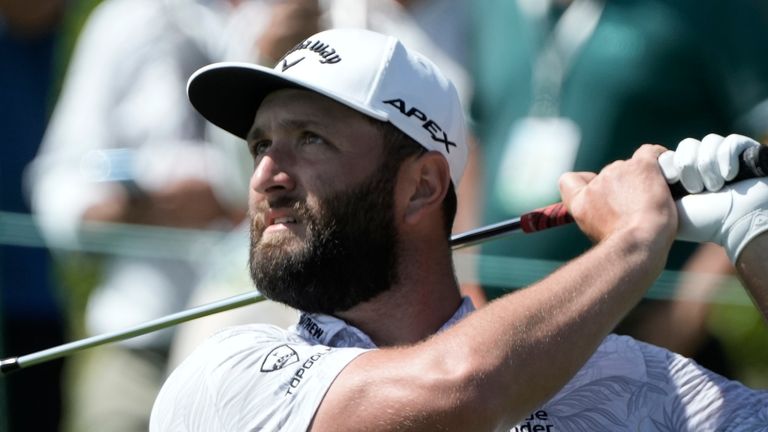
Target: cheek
[[253, 199], [316, 187], [314, 204]]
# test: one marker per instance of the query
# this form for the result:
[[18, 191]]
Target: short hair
[[398, 146]]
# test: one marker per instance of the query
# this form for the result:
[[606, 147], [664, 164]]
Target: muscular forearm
[[506, 359], [542, 335], [752, 266]]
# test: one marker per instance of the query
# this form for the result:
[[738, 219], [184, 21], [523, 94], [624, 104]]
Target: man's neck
[[415, 308]]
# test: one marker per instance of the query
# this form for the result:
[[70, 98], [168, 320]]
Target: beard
[[348, 257]]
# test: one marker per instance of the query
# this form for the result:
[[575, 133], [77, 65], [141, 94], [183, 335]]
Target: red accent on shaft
[[546, 217]]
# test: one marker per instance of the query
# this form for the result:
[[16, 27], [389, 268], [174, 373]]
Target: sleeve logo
[[279, 358]]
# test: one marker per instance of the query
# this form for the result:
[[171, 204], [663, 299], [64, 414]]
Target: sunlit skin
[[304, 146]]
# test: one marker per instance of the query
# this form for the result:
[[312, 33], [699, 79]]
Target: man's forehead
[[296, 108], [259, 130]]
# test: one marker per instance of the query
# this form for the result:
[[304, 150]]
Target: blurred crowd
[[99, 140]]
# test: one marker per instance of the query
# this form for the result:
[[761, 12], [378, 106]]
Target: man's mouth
[[280, 219], [283, 220]]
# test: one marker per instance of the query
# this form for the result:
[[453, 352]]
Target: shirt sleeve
[[249, 378], [631, 385]]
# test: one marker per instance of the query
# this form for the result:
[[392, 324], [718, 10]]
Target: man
[[358, 144], [436, 28]]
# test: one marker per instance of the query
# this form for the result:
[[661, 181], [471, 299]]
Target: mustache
[[298, 207], [284, 201]]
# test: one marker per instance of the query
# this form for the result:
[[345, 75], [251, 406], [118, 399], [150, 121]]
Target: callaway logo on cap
[[366, 71]]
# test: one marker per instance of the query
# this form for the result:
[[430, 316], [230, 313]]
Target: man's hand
[[708, 163], [629, 194], [730, 216]]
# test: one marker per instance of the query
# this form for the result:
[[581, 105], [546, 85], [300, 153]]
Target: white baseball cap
[[366, 71]]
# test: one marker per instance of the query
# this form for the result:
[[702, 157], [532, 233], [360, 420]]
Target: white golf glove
[[731, 216]]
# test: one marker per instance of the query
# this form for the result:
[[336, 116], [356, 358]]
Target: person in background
[[31, 315], [565, 85], [123, 146]]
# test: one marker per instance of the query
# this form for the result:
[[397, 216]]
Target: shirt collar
[[331, 331]]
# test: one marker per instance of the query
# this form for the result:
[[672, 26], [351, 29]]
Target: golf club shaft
[[536, 220], [15, 363], [752, 163]]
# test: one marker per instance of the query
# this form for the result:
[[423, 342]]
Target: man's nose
[[272, 173]]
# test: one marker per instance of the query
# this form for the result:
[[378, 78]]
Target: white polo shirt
[[260, 377]]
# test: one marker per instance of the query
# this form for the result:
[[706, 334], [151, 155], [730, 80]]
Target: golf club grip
[[753, 162]]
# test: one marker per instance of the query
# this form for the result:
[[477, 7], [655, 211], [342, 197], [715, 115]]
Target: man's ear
[[430, 178]]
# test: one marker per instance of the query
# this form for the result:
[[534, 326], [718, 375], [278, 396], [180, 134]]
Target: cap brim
[[229, 94]]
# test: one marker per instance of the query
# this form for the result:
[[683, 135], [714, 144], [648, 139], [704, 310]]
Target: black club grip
[[753, 162]]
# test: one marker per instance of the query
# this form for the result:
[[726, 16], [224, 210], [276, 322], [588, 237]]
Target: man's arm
[[501, 362], [735, 216], [752, 266]]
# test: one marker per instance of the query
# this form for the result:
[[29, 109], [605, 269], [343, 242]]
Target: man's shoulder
[[272, 373], [250, 340], [259, 332], [230, 362]]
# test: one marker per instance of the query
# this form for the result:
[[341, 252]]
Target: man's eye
[[308, 138], [259, 147]]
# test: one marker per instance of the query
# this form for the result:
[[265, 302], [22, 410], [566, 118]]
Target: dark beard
[[349, 256]]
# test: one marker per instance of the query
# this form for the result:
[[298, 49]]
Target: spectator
[[124, 146], [582, 83]]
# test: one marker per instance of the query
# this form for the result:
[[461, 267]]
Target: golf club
[[752, 163], [15, 363]]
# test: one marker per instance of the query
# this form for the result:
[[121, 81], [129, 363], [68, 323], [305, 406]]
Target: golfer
[[358, 144]]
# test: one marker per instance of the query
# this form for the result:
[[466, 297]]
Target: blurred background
[[119, 204]]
